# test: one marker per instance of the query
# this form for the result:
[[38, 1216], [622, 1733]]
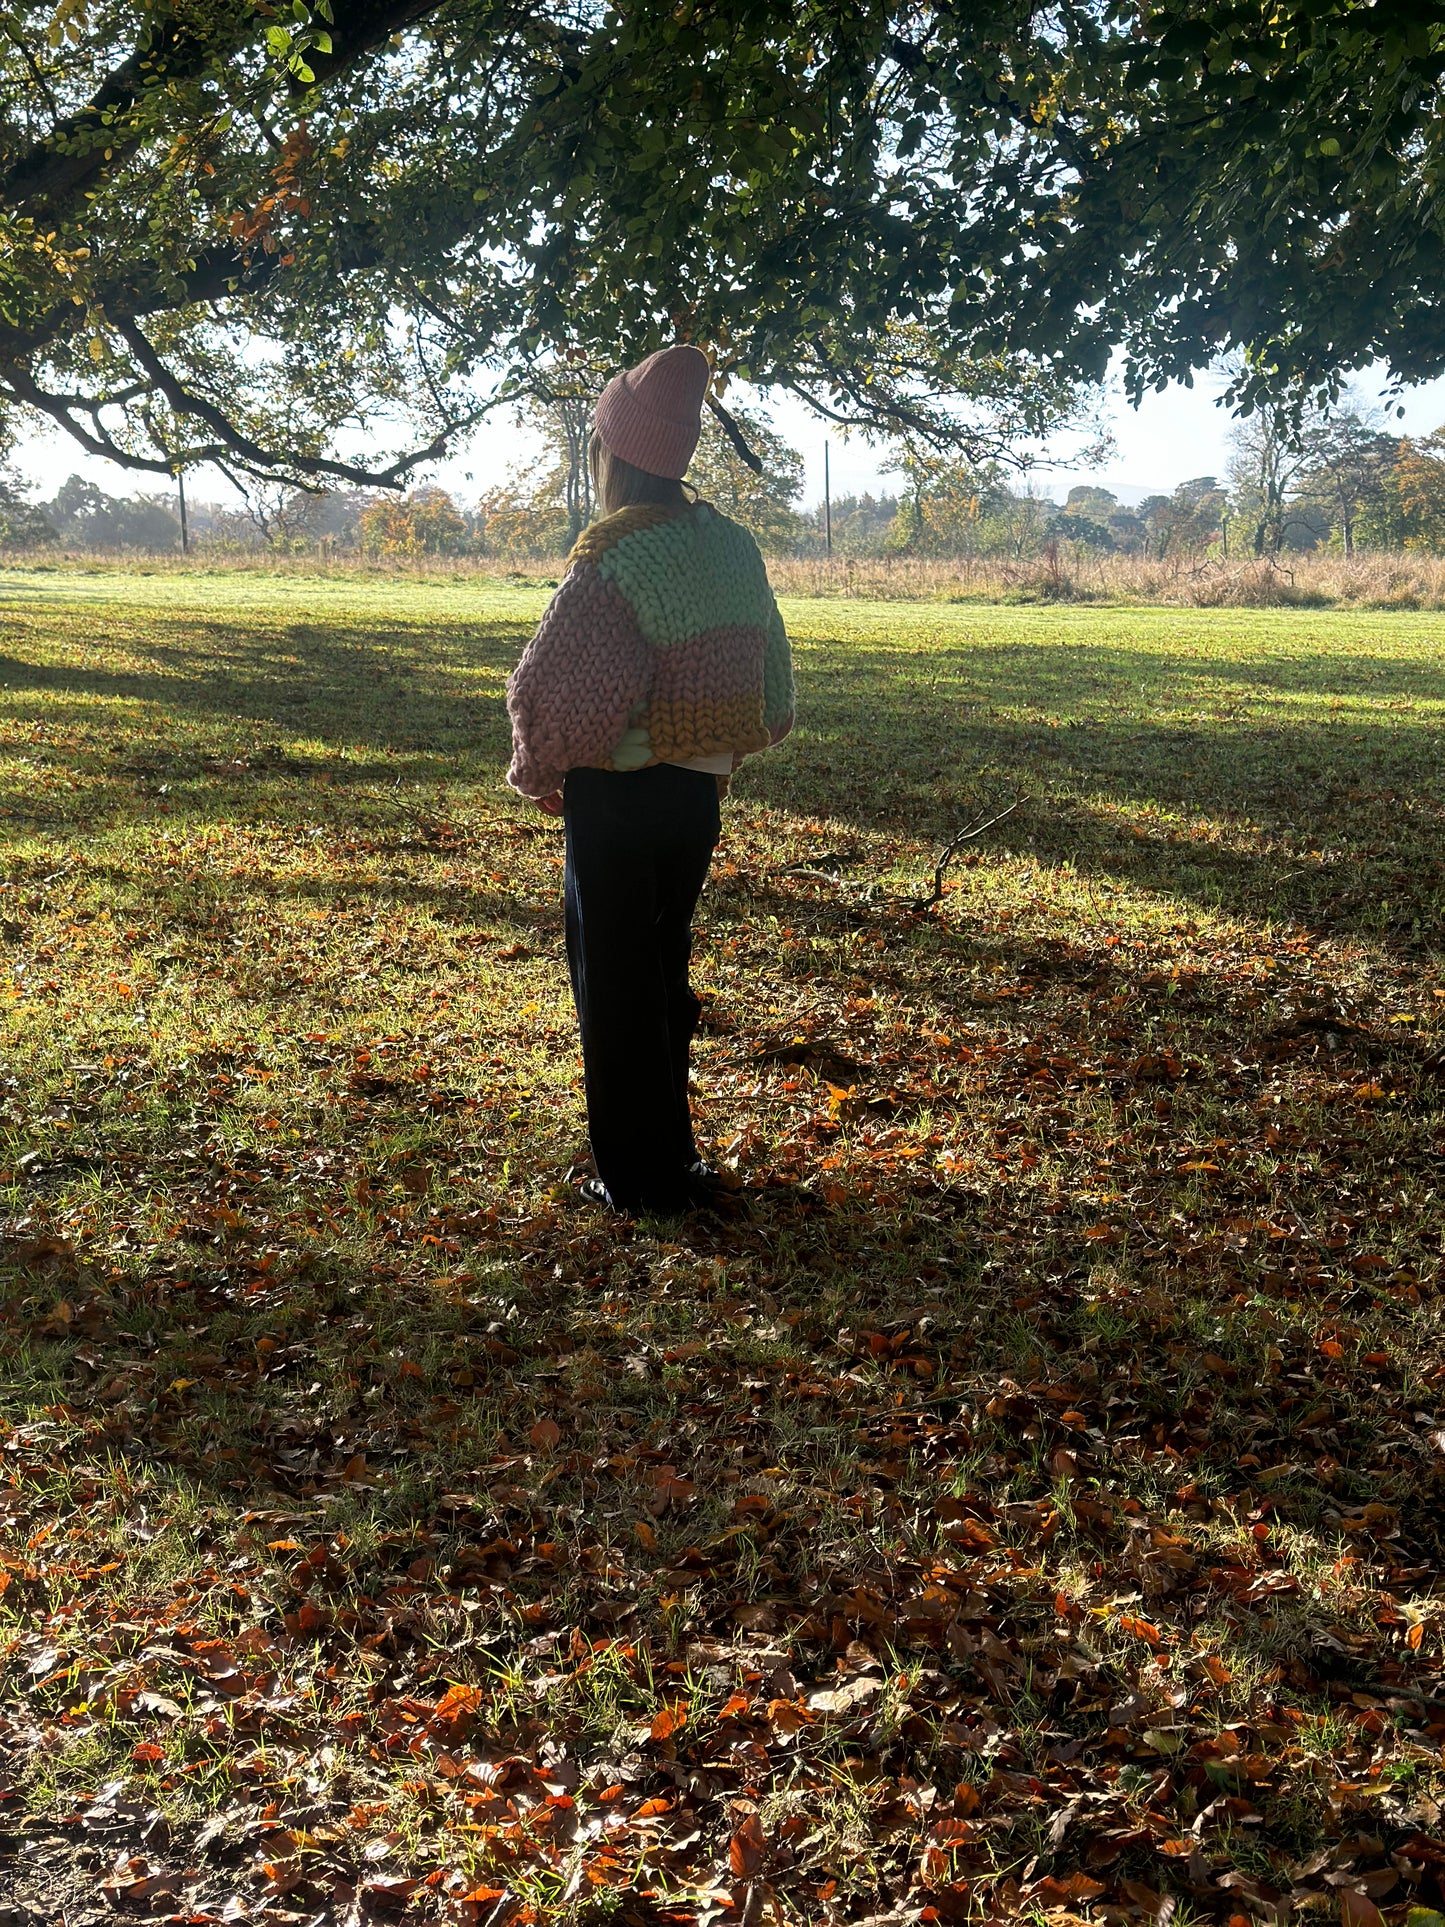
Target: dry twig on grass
[[954, 844]]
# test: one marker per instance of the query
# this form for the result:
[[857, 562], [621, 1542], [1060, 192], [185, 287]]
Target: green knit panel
[[698, 571], [634, 749]]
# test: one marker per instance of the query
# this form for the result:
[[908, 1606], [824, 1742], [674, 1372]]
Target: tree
[[1349, 461], [281, 517], [1098, 504], [1014, 523], [428, 522], [1109, 526], [559, 410], [1254, 177], [22, 524], [1082, 530], [762, 502], [235, 234], [1269, 461], [1185, 522], [524, 519], [85, 515], [1419, 482], [1129, 533], [1198, 508], [860, 522], [535, 512], [940, 506], [953, 508], [332, 517], [237, 237]]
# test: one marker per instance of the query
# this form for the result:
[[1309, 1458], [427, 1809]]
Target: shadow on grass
[[1328, 819], [390, 686], [1141, 766]]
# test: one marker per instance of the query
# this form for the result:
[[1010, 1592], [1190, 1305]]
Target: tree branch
[[61, 410], [264, 461], [882, 412], [214, 273], [359, 32], [74, 150], [735, 436], [230, 444], [83, 144], [36, 74]]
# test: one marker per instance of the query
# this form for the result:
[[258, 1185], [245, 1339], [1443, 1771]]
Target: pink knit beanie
[[651, 415]]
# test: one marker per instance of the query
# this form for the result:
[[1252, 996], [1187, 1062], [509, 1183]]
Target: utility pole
[[181, 497], [827, 501]]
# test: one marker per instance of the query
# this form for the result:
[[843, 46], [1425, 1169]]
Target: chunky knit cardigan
[[663, 643]]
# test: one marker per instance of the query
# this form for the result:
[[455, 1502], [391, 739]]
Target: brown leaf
[[457, 1704], [1081, 1886], [1358, 1910], [786, 1717], [951, 1832], [670, 1720], [1141, 1628], [156, 1886], [1143, 1896], [755, 1619], [745, 1851]]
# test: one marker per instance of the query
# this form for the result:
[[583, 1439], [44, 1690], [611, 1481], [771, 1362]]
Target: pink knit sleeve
[[572, 695], [778, 698]]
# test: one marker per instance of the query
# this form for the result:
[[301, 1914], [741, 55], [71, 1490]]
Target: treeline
[[1338, 483], [83, 516]]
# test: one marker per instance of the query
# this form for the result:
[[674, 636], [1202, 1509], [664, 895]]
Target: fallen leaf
[[745, 1850], [670, 1720], [1358, 1910]]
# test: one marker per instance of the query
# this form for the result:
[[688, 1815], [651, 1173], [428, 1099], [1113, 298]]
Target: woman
[[660, 663]]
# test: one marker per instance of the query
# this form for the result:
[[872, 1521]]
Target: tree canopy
[[317, 243]]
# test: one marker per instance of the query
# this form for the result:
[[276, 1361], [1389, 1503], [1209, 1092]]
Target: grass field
[[1031, 1508]]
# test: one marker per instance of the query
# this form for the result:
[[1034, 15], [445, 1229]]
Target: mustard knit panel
[[679, 731], [593, 543]]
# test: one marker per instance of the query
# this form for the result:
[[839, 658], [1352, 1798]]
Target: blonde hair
[[618, 485]]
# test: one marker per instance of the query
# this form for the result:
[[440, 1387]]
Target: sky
[[1170, 438]]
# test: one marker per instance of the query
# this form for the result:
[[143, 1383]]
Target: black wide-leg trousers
[[638, 846]]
